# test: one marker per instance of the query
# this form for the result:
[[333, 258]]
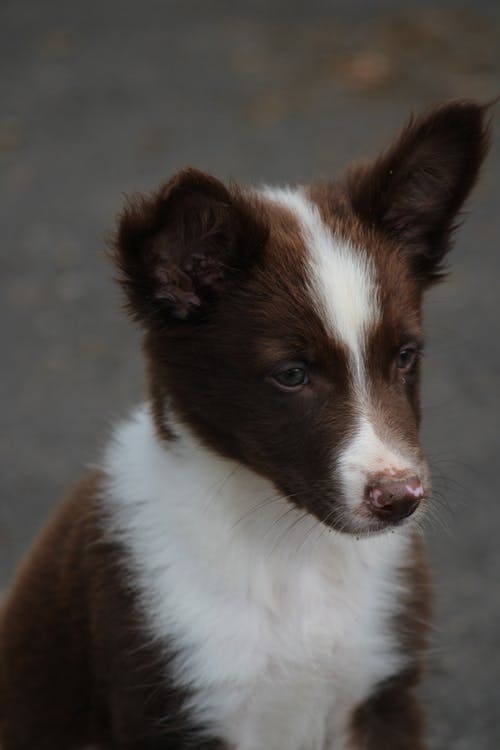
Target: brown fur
[[77, 667]]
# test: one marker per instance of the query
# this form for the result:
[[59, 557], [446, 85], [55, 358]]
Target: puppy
[[244, 571]]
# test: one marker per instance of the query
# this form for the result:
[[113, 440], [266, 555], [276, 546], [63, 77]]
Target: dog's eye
[[406, 358], [292, 378]]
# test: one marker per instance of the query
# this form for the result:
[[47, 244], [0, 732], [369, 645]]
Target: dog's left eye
[[292, 378], [406, 358]]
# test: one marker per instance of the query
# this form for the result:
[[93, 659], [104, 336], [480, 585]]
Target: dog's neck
[[181, 491]]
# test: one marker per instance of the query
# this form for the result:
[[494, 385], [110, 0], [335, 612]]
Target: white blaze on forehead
[[342, 277]]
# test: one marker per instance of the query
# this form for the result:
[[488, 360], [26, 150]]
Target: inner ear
[[192, 251], [414, 191], [179, 249]]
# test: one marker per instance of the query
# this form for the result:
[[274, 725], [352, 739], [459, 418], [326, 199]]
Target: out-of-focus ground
[[102, 98]]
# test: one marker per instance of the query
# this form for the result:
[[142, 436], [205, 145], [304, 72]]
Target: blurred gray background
[[102, 98]]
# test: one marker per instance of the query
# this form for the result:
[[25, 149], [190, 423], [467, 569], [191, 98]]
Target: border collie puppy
[[244, 571]]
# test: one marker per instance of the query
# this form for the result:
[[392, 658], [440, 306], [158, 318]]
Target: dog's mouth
[[408, 512], [372, 504], [373, 514], [363, 523]]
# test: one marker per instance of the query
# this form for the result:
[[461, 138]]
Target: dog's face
[[284, 326]]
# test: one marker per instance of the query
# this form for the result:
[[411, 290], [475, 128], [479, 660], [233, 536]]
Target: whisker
[[281, 538], [219, 485], [259, 506]]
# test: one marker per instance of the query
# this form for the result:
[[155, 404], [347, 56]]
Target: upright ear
[[178, 249], [413, 192]]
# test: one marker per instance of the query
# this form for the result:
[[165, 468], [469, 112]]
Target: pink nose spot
[[417, 491], [393, 500]]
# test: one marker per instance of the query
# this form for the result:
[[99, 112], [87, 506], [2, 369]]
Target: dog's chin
[[375, 528], [358, 523], [355, 521]]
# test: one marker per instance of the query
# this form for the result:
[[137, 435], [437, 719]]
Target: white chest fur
[[281, 627]]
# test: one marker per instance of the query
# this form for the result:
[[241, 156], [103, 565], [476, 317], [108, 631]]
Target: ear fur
[[413, 192], [178, 249]]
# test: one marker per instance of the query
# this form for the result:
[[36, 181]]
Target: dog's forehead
[[339, 277]]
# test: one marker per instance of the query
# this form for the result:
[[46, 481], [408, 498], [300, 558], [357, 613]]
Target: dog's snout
[[392, 500]]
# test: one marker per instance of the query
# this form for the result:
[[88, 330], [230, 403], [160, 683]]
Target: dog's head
[[284, 326]]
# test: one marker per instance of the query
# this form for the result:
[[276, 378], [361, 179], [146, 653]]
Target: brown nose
[[392, 500]]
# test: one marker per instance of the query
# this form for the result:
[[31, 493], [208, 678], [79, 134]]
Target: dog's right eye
[[292, 378]]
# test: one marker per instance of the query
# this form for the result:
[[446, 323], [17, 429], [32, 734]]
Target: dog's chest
[[283, 662], [279, 628]]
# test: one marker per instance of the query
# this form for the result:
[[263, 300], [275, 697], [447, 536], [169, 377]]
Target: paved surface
[[99, 98]]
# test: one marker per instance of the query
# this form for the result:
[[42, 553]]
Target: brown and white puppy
[[244, 571]]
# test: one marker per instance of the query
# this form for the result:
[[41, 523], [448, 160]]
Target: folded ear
[[414, 191], [178, 249]]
